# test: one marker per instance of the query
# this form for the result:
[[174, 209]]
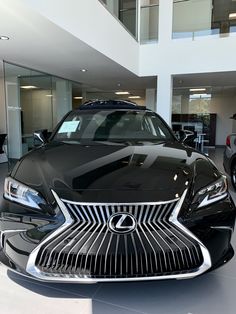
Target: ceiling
[[37, 43]]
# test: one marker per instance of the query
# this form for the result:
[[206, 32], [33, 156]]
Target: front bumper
[[36, 245]]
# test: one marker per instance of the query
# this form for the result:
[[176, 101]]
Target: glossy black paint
[[77, 172], [114, 172]]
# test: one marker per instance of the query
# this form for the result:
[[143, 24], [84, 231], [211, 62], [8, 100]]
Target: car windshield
[[112, 126]]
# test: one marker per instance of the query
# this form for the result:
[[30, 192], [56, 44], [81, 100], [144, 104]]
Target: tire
[[233, 175]]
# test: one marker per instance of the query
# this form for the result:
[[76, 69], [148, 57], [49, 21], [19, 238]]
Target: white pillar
[[150, 99], [13, 118], [164, 96], [62, 99], [164, 81]]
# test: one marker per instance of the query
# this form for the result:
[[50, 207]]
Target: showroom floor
[[210, 293]]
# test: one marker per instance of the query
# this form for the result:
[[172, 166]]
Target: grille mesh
[[88, 248]]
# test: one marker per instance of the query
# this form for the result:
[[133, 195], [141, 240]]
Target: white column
[[62, 99], [164, 96], [164, 81], [13, 118], [150, 99]]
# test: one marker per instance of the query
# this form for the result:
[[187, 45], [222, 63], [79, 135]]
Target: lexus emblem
[[122, 223]]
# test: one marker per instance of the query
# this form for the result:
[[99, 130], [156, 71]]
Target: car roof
[[111, 104]]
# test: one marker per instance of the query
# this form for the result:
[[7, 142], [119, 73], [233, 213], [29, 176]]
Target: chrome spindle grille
[[89, 248]]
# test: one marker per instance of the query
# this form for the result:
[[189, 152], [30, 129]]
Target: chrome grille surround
[[68, 209]]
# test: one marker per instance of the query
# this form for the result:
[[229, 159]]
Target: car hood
[[113, 172]]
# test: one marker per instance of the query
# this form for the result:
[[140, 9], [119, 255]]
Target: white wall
[[224, 106], [181, 56], [92, 23], [169, 57]]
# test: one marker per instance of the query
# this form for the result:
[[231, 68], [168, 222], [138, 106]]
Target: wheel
[[233, 175]]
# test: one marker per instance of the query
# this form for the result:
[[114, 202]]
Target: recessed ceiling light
[[122, 93], [232, 16], [78, 97], [28, 87], [134, 97], [4, 38], [83, 70], [197, 89]]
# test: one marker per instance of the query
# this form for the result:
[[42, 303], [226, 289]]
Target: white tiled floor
[[210, 293]]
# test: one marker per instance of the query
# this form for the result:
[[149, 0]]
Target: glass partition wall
[[192, 19], [140, 17], [192, 111], [149, 20], [206, 110], [3, 156], [196, 18], [34, 101]]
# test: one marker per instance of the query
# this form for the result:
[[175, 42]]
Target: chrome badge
[[122, 223]]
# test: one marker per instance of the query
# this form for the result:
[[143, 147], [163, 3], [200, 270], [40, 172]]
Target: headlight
[[22, 194], [211, 193]]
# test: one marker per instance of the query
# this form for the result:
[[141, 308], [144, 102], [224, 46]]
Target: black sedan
[[112, 195]]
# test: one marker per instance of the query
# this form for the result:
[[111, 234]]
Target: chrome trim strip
[[9, 231], [30, 267], [171, 239], [117, 204], [207, 201], [174, 219], [35, 272], [158, 231], [231, 229]]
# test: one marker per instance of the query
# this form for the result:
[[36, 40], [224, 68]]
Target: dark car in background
[[114, 196], [230, 158]]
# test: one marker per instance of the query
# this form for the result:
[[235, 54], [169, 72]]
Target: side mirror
[[40, 137]]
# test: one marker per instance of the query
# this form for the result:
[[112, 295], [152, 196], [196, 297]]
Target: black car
[[114, 196], [230, 158]]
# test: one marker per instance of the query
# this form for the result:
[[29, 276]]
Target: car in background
[[230, 158], [114, 196]]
